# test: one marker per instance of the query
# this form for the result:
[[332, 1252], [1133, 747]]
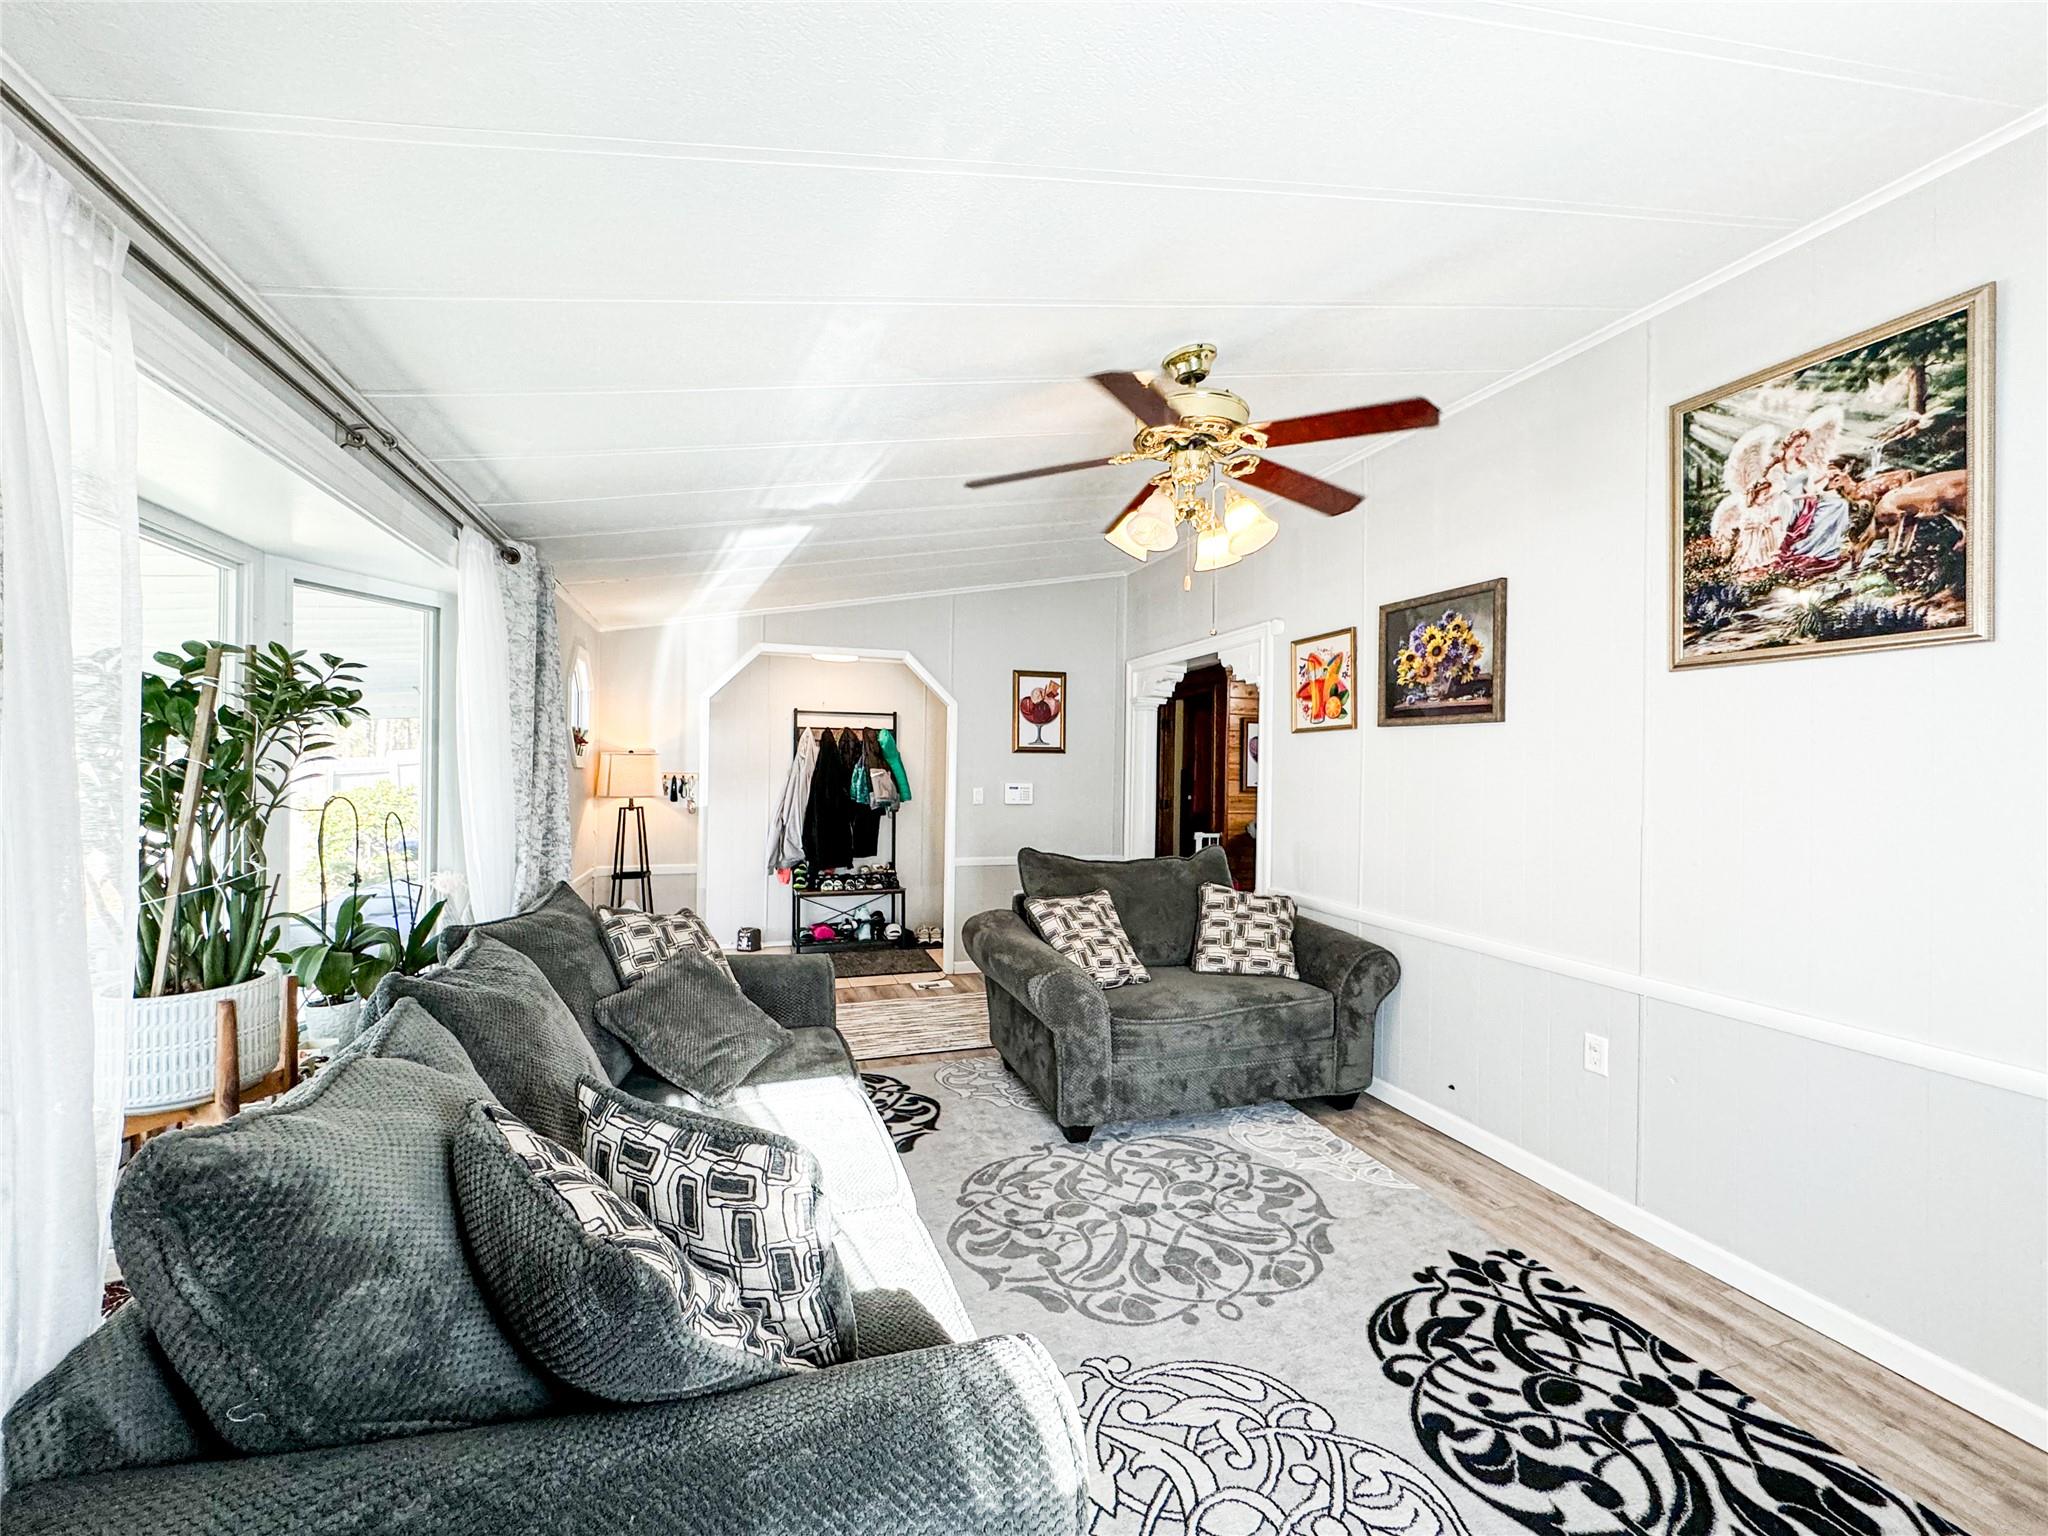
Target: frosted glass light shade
[[1212, 550], [1147, 529], [1245, 523], [1119, 535], [628, 776]]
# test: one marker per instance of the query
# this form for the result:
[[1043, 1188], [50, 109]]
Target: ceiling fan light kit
[[1206, 439]]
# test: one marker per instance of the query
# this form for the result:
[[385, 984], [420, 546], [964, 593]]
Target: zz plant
[[284, 709]]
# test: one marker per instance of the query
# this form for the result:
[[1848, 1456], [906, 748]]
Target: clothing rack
[[847, 902]]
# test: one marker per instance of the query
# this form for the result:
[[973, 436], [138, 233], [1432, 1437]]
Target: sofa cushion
[[690, 1023], [518, 1034], [1240, 933], [113, 1402], [1085, 932], [559, 933], [1158, 899], [596, 1294], [1185, 1012], [741, 1202], [640, 941], [302, 1264]]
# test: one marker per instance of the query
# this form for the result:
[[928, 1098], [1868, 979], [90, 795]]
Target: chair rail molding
[[1250, 653], [1992, 1073]]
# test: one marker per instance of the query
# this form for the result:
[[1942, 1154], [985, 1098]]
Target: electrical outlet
[[977, 794], [1596, 1054]]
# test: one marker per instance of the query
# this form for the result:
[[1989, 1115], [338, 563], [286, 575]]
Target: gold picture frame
[[1789, 535], [1479, 695], [1322, 681], [1050, 690]]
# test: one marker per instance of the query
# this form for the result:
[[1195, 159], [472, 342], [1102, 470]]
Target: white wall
[[651, 681], [1804, 901], [749, 761]]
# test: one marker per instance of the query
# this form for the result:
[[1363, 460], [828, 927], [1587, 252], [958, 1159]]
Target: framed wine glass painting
[[1038, 711]]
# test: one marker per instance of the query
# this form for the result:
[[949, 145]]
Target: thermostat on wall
[[1016, 794]]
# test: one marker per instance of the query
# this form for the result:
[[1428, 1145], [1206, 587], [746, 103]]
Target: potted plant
[[216, 768], [348, 953]]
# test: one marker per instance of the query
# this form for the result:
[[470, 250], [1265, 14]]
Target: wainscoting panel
[[1864, 1180], [1503, 1046]]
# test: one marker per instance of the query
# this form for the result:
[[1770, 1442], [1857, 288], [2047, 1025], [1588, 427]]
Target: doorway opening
[[1208, 774]]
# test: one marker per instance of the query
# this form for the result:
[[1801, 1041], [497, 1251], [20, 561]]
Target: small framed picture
[[1443, 658], [1326, 682], [1248, 755], [1038, 711]]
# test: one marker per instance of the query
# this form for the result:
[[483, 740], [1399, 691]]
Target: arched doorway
[[732, 796]]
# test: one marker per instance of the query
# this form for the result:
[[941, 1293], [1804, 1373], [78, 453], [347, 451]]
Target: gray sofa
[[1183, 1042], [928, 1431]]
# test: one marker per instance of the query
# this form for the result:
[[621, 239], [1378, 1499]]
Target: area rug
[[915, 1026], [880, 962], [1268, 1331]]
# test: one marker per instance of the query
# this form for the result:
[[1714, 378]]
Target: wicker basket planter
[[171, 1040]]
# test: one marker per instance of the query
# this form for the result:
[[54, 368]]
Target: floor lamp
[[627, 776]]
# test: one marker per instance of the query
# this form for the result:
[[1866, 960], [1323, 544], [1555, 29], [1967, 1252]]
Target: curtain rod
[[358, 426]]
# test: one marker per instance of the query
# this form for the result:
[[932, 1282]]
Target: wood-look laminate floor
[[878, 989], [1989, 1482]]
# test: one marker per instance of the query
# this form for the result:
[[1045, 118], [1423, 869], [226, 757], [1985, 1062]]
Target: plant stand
[[229, 1091]]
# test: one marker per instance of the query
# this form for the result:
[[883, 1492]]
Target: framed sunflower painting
[[1326, 682], [1443, 658]]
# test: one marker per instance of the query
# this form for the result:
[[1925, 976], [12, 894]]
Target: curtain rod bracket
[[357, 434]]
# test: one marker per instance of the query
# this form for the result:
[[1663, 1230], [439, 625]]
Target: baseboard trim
[[1967, 1390], [1849, 1037]]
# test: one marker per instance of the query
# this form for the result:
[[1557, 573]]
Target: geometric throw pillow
[[640, 941], [587, 1283], [1242, 934], [1087, 931], [744, 1204]]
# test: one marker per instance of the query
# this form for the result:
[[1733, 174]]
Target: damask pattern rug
[[1270, 1333]]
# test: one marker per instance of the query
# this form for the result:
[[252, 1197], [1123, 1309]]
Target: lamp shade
[[627, 776], [1213, 552]]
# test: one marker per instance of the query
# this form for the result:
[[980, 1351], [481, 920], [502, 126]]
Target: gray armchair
[[1183, 1042]]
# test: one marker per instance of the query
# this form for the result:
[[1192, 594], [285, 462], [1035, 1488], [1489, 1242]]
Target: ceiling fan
[[1205, 437]]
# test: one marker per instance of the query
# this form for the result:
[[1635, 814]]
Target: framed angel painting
[[1840, 501]]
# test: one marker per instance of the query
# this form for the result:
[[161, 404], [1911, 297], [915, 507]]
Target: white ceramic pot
[[330, 1026], [171, 1040]]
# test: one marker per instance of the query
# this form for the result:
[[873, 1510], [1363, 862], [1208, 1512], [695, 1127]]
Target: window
[[579, 706], [383, 763], [186, 595]]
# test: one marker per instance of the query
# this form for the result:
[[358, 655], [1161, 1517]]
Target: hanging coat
[[828, 820], [887, 741], [864, 822], [786, 831]]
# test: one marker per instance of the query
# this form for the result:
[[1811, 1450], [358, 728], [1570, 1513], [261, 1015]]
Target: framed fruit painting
[[1325, 682]]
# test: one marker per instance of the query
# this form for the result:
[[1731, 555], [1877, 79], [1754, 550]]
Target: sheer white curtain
[[483, 727], [70, 671]]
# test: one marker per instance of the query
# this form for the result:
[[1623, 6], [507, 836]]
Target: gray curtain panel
[[540, 727]]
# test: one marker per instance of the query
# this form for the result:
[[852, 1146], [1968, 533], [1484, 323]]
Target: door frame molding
[[1251, 653]]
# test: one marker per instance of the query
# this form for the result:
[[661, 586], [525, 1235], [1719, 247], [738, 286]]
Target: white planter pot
[[171, 1040], [331, 1025]]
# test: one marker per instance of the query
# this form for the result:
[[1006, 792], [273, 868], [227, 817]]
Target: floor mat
[[916, 1026], [1269, 1331]]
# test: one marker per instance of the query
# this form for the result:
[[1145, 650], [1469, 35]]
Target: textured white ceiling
[[721, 303]]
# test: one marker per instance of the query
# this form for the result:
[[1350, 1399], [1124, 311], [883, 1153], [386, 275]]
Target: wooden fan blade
[[1137, 501], [1359, 421], [1138, 397], [1034, 474], [1306, 489]]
